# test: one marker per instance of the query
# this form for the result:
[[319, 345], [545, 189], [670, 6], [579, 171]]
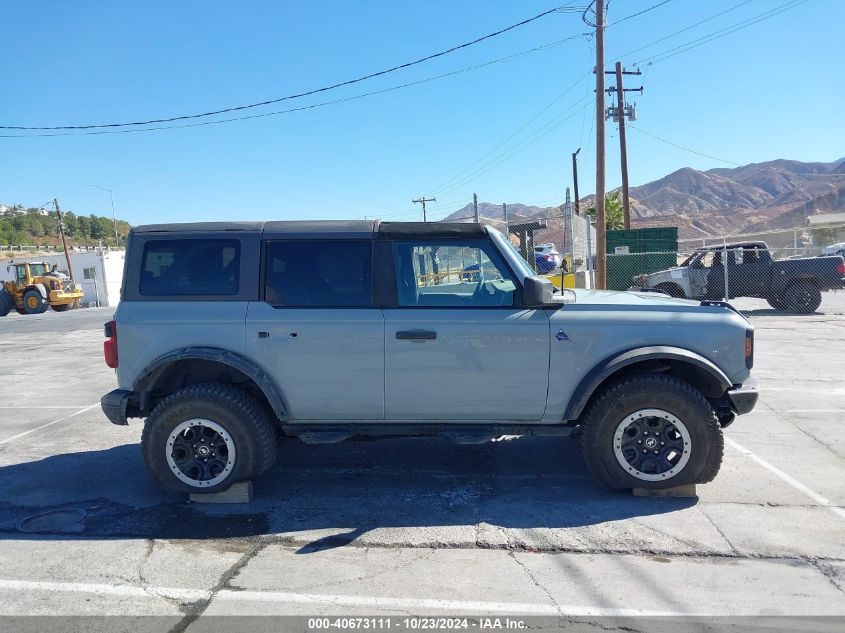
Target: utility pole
[[619, 114], [475, 206], [505, 216], [423, 200], [601, 220], [113, 216], [575, 179], [62, 234], [570, 233]]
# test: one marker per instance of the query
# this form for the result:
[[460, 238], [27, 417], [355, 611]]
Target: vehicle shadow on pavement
[[761, 312], [329, 495]]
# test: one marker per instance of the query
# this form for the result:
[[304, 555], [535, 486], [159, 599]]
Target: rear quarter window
[[186, 267]]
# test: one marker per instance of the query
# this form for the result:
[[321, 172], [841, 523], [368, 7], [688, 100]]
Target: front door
[[458, 347], [317, 333]]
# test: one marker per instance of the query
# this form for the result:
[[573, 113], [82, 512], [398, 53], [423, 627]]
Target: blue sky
[[767, 91]]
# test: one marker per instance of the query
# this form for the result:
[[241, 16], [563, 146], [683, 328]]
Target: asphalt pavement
[[509, 528]]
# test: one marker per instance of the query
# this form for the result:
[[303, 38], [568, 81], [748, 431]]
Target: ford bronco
[[230, 336]]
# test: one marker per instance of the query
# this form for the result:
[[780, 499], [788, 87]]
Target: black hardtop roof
[[733, 245], [323, 228]]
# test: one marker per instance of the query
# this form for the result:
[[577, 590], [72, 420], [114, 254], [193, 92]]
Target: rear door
[[747, 272], [316, 330], [457, 345]]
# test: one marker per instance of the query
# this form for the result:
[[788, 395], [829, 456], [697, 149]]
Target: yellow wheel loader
[[35, 287]]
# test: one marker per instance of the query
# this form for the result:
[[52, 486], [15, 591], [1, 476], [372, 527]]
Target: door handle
[[416, 335]]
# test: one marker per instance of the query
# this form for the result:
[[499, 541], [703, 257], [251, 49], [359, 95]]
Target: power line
[[683, 30], [543, 47], [683, 48], [686, 149], [457, 176], [348, 82], [517, 148], [634, 15], [312, 106]]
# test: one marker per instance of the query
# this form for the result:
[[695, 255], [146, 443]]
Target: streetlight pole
[[113, 215]]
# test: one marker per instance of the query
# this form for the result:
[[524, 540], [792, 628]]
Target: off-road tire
[[35, 297], [7, 302], [244, 418], [61, 307], [802, 297], [647, 391], [673, 290]]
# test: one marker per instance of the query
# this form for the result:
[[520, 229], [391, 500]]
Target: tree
[[614, 217]]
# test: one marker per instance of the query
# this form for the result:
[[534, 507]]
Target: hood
[[628, 298], [667, 271]]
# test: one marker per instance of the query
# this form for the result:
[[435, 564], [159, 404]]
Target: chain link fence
[[754, 278], [780, 272]]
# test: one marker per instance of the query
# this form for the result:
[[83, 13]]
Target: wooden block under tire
[[678, 491], [240, 492]]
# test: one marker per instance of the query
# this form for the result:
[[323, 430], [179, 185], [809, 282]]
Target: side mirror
[[537, 292]]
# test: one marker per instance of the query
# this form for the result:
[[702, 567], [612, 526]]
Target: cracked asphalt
[[513, 527]]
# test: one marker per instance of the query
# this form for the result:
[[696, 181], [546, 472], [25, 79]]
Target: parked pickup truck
[[231, 335], [790, 285]]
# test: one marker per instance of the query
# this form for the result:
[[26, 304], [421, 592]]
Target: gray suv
[[230, 336]]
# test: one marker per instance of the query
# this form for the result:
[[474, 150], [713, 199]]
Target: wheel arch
[[687, 365], [41, 288], [193, 365], [669, 286], [784, 284]]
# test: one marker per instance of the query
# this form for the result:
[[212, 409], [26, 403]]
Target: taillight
[[110, 344], [840, 268], [749, 348]]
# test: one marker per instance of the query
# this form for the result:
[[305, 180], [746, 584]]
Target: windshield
[[522, 266]]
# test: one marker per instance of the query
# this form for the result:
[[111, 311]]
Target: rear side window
[[319, 273], [190, 267]]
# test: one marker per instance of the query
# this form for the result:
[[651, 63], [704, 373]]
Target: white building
[[99, 272]]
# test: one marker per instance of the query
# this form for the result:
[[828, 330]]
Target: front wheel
[[205, 437], [33, 302], [651, 431]]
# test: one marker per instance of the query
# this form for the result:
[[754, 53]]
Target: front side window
[[190, 267], [451, 275], [319, 273]]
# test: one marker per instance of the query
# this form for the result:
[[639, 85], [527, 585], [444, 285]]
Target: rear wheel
[[777, 303], [33, 302], [205, 437], [651, 431], [802, 298], [6, 302]]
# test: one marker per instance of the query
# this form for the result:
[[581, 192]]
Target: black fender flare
[[146, 379], [41, 288], [606, 368]]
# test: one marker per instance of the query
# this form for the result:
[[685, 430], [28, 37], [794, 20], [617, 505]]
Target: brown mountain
[[777, 194]]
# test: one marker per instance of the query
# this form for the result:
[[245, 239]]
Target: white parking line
[[39, 407], [277, 597], [44, 426], [815, 496], [102, 589]]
